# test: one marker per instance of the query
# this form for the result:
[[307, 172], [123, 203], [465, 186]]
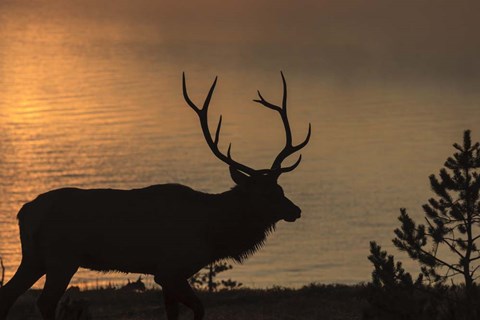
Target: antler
[[213, 144], [289, 148]]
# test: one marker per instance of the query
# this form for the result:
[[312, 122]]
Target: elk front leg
[[56, 283], [180, 290]]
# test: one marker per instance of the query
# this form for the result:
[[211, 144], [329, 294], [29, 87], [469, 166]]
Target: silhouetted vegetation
[[135, 286], [446, 248], [312, 302], [394, 295], [206, 278], [73, 309]]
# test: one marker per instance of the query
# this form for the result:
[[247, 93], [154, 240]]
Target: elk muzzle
[[294, 214]]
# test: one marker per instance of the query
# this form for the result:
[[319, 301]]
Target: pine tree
[[392, 291], [452, 221], [387, 273]]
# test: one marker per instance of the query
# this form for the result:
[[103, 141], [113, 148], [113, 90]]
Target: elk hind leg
[[171, 305], [56, 283], [181, 291], [25, 277]]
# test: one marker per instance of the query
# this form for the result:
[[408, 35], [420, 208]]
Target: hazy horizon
[[350, 41]]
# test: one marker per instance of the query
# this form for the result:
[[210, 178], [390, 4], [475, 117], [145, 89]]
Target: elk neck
[[241, 226]]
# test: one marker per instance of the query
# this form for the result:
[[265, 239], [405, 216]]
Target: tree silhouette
[[392, 291], [452, 222]]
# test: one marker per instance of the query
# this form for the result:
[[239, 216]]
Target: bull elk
[[169, 231]]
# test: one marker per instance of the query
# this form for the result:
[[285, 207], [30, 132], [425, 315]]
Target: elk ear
[[238, 177]]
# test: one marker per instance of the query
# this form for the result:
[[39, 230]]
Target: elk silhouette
[[170, 231]]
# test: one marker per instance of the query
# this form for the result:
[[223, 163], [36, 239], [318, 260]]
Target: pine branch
[[452, 247], [476, 238], [474, 270], [440, 261]]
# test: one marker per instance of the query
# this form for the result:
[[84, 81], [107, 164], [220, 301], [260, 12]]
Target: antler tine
[[187, 98], [213, 144], [266, 103], [286, 124], [217, 132], [292, 167], [289, 148], [284, 100], [289, 151]]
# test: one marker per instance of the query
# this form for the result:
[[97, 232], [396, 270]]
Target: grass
[[308, 303]]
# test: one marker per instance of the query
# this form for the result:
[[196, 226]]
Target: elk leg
[[55, 286], [25, 277], [171, 305], [180, 290]]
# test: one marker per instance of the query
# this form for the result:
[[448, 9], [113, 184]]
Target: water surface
[[96, 102]]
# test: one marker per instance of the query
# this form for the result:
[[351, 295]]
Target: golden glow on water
[[93, 102]]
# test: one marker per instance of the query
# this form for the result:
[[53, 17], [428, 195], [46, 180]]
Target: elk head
[[259, 186]]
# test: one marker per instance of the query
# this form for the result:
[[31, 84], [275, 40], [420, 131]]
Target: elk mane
[[258, 243]]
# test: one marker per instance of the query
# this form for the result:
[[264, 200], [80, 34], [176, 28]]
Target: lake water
[[94, 102]]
